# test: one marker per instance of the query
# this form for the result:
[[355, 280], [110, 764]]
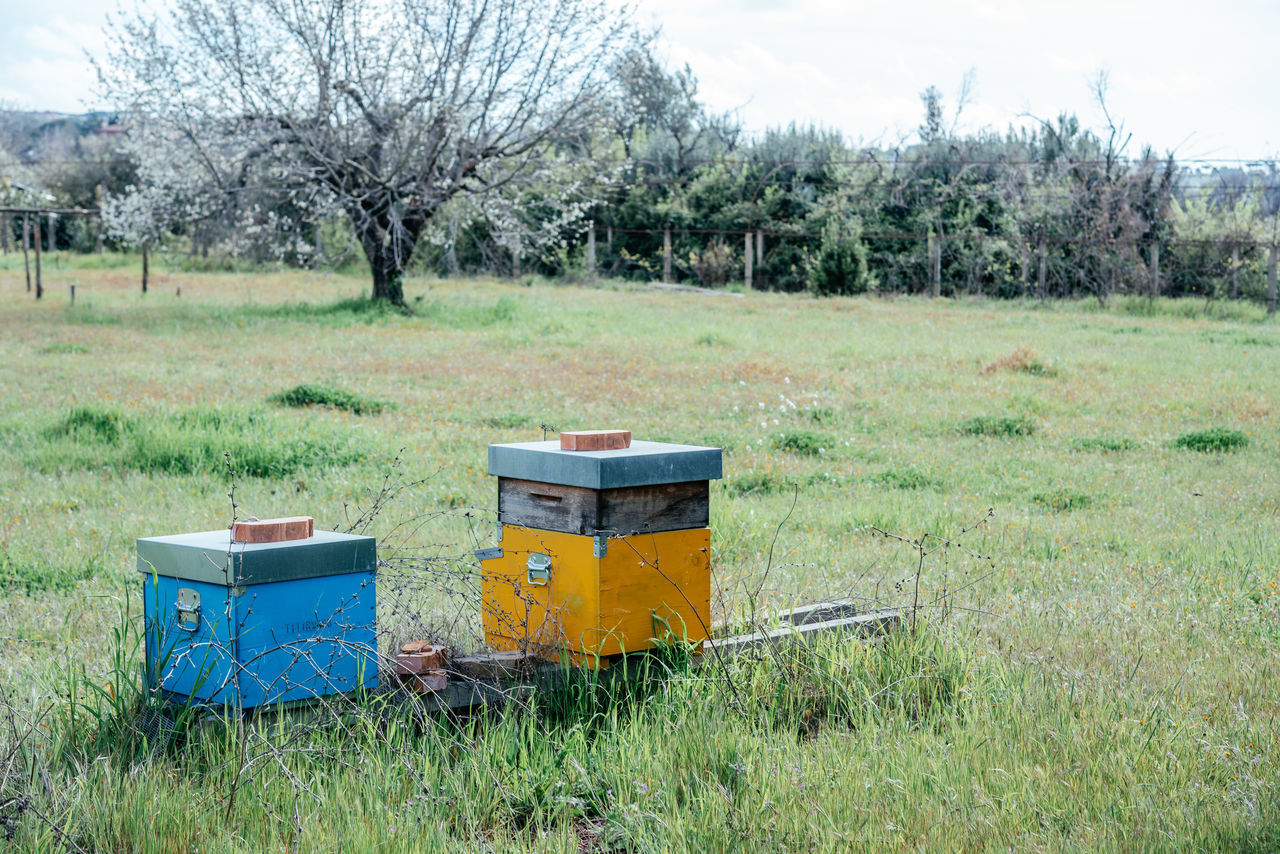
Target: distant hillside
[[59, 157]]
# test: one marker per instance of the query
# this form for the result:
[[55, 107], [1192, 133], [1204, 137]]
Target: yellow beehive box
[[550, 594], [600, 552]]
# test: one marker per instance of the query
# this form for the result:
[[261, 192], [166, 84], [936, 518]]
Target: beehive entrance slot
[[547, 499]]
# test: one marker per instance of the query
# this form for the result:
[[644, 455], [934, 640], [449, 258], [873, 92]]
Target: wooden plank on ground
[[863, 625]]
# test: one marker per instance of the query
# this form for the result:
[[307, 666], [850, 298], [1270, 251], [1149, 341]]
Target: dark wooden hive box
[[621, 511]]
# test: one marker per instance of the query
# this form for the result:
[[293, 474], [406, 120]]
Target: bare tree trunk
[[51, 230], [759, 247], [451, 250], [591, 251], [1235, 272], [608, 238], [748, 256], [666, 254], [6, 232], [145, 267], [26, 245], [388, 259], [515, 262]]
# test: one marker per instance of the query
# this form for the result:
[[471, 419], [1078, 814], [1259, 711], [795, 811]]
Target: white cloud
[[62, 37]]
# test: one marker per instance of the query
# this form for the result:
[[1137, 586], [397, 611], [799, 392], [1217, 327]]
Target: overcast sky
[[1194, 77]]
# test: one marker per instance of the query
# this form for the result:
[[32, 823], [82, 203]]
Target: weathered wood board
[[621, 512]]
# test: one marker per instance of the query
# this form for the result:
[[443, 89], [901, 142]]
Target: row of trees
[[464, 137]]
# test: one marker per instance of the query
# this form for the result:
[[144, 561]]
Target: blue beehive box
[[250, 624]]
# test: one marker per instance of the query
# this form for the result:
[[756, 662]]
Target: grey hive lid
[[203, 557], [642, 464]]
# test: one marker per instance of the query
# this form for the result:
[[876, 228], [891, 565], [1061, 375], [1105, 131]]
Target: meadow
[[1093, 670]]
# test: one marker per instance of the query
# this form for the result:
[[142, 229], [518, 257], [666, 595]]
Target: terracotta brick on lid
[[278, 530], [420, 656], [595, 440]]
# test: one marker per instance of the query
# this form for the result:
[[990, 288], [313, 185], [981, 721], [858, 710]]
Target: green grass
[[1215, 440], [312, 394], [1105, 444], [1095, 670], [191, 442]]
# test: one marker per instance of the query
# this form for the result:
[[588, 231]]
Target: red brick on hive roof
[[595, 440], [273, 530]]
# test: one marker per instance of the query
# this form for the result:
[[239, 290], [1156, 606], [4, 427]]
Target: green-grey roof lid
[[204, 557], [642, 464]]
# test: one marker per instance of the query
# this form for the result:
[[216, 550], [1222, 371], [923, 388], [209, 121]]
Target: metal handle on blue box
[[187, 609]]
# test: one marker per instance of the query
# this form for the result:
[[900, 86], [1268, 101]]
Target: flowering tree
[[383, 109]]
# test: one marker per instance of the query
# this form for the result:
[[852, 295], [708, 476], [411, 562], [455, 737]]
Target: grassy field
[[1096, 670]]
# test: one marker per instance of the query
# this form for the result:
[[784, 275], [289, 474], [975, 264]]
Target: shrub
[[994, 425], [333, 398], [1062, 500], [1023, 360], [801, 442], [103, 425], [755, 483], [840, 267], [1216, 440], [715, 264], [907, 478]]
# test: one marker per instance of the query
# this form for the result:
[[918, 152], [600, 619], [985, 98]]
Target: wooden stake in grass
[[1271, 280], [666, 254], [26, 242], [36, 235]]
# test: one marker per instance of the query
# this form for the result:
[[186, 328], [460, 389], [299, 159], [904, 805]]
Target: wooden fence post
[[1042, 273], [591, 251], [1271, 280], [26, 244], [1235, 272], [666, 254], [1024, 267], [1155, 269], [98, 194], [935, 265], [748, 256], [35, 221]]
